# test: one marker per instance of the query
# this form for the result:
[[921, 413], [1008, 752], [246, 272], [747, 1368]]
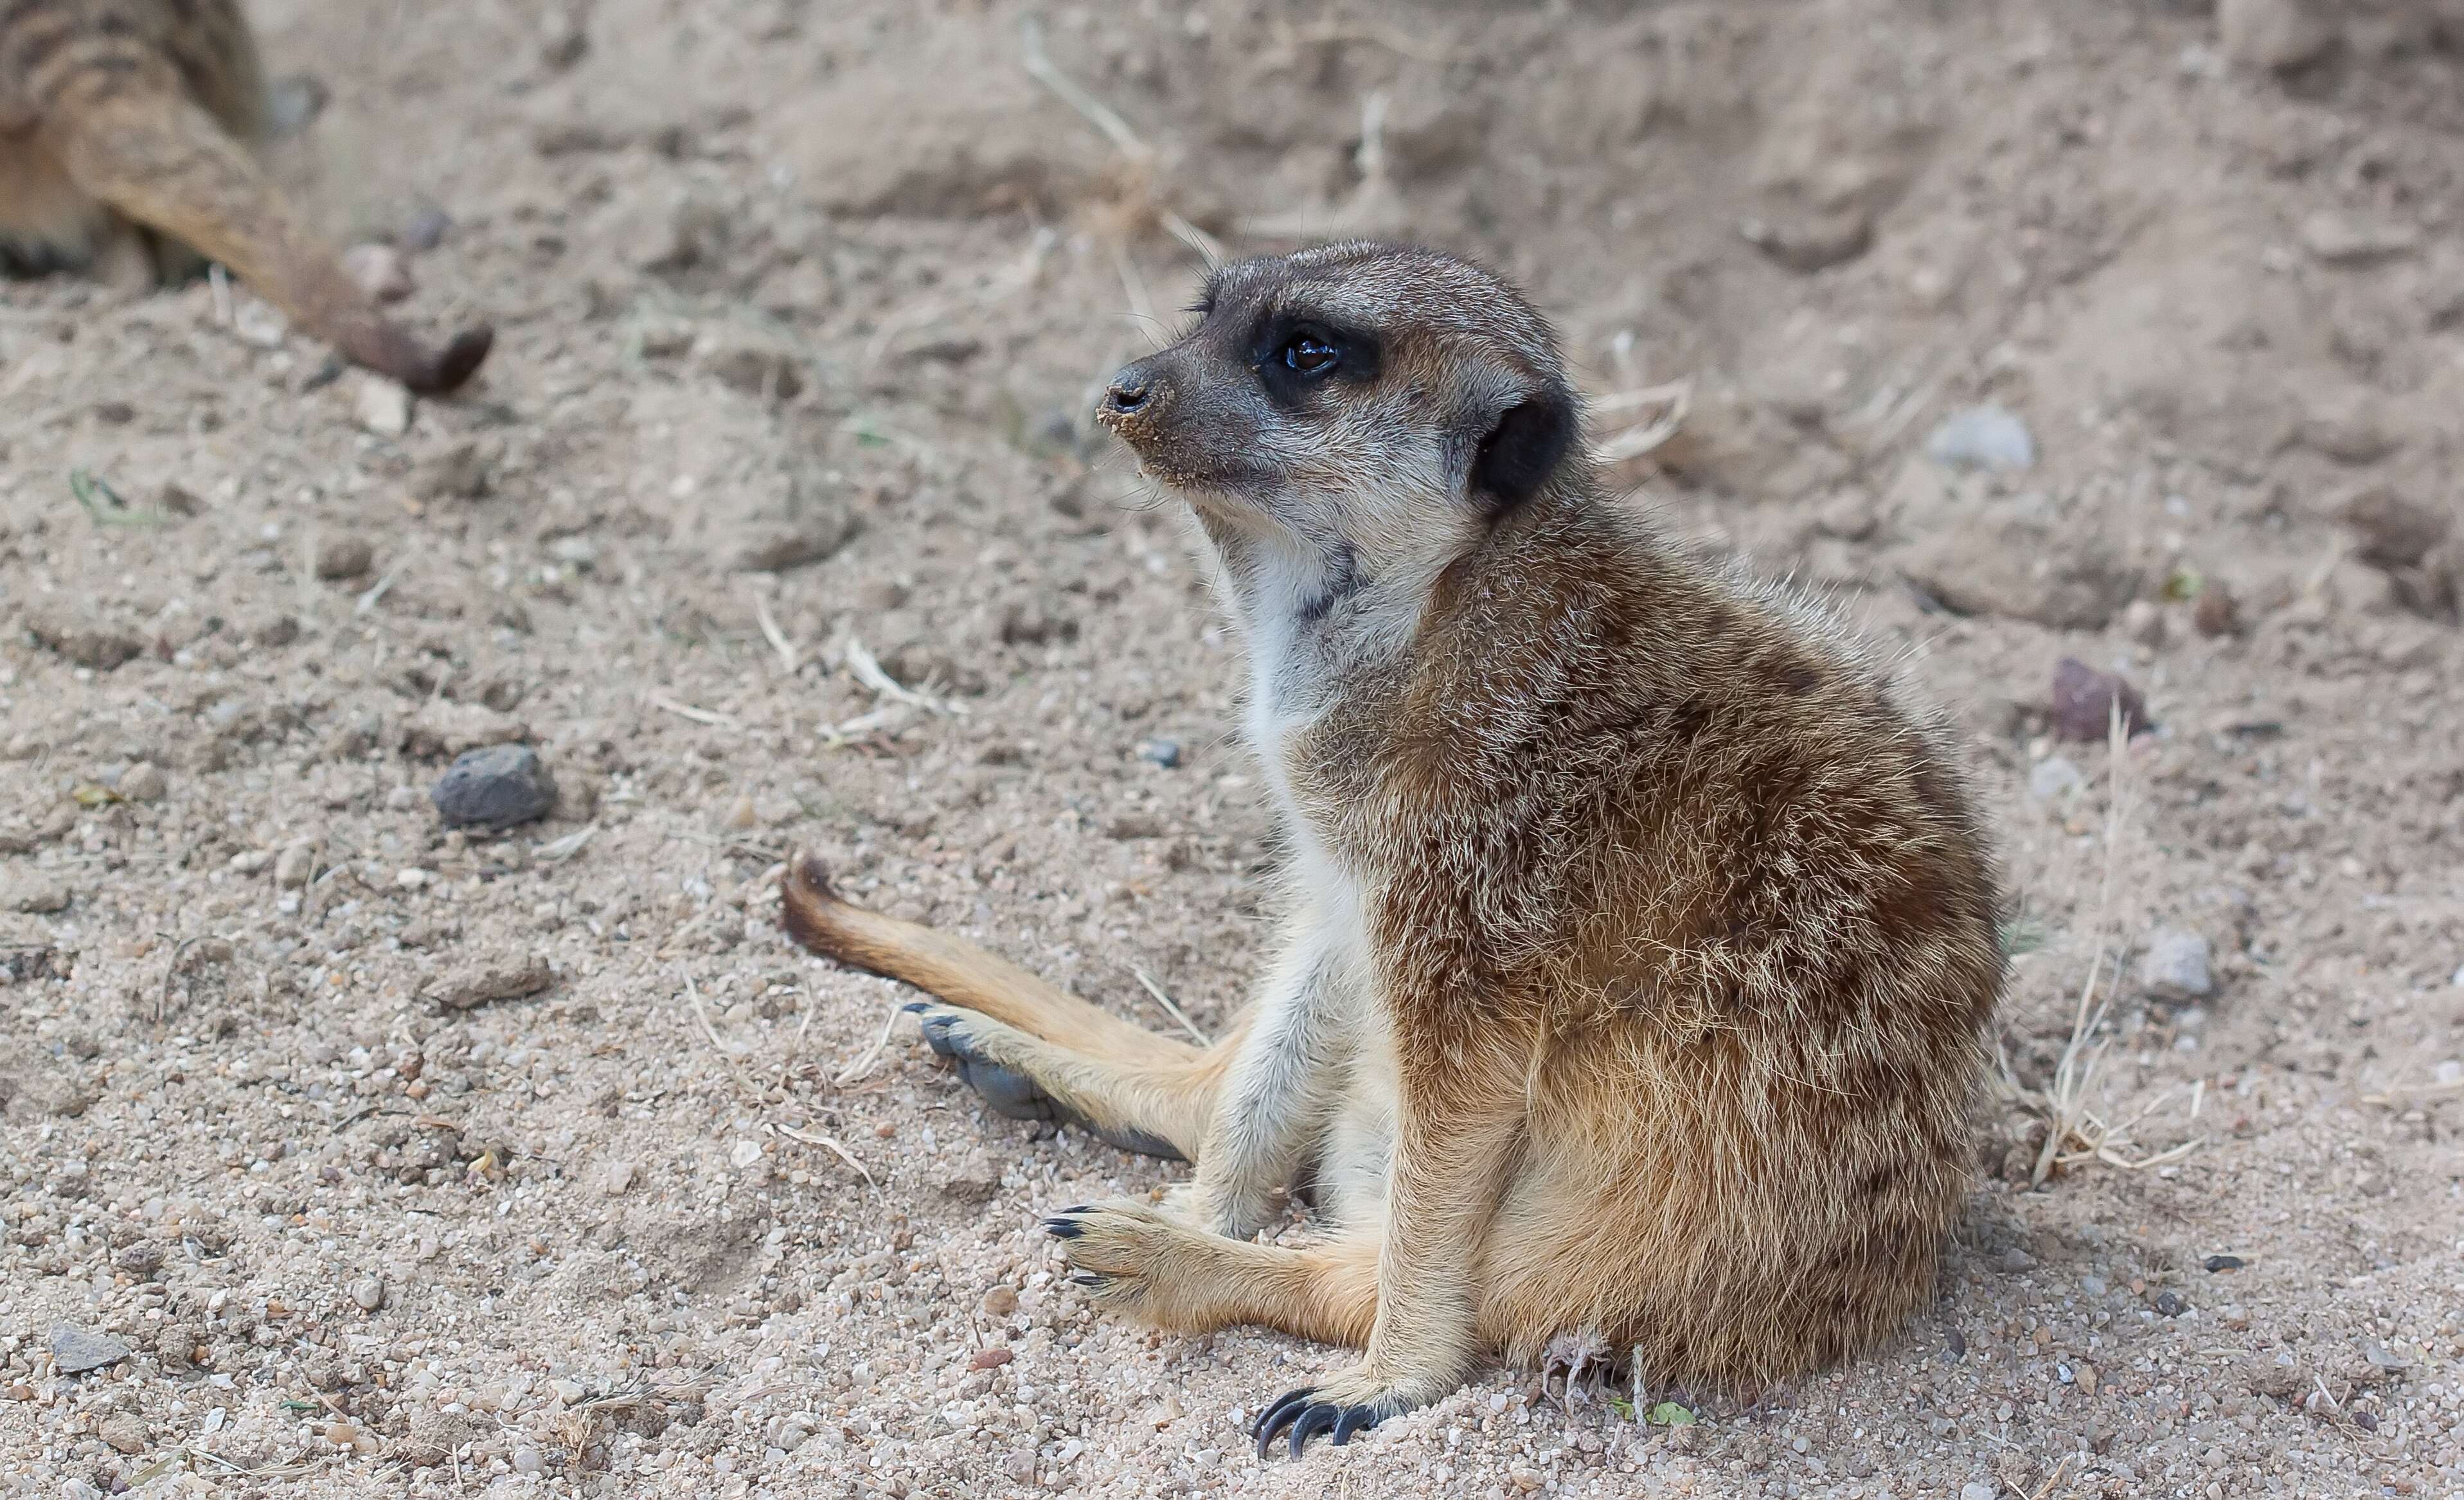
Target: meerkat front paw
[[1123, 1256], [1349, 1402], [1210, 1210]]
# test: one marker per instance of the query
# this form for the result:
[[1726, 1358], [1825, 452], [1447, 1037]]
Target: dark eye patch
[[1291, 352]]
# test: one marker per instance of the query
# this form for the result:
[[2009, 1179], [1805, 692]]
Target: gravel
[[2177, 965], [498, 787]]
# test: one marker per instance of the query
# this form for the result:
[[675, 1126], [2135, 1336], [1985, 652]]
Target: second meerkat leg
[[1031, 1048], [1140, 1261]]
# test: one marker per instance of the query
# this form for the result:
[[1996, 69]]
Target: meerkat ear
[[1525, 447]]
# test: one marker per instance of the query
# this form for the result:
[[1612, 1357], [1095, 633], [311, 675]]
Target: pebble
[[527, 1461], [2396, 532], [992, 1358], [369, 1293], [2053, 778], [40, 895], [1977, 1489], [2084, 699], [383, 406], [81, 638], [618, 1178], [144, 781], [2216, 611], [2169, 1305], [426, 231], [2271, 36], [498, 787], [743, 1154], [2224, 1262], [1165, 753], [481, 984], [1983, 437], [2177, 966], [2336, 239], [126, 1432], [1001, 1302], [2016, 1260], [343, 556], [76, 1350], [295, 865], [380, 271]]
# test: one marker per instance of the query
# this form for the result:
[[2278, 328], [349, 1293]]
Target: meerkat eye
[[1309, 354]]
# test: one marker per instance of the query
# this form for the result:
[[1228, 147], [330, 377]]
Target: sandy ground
[[799, 309]]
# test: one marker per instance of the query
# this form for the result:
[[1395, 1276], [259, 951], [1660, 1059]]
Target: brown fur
[[126, 133], [1645, 939]]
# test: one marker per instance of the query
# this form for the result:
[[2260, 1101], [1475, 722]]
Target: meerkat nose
[[1128, 393]]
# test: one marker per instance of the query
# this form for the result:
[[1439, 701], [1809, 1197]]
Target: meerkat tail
[[957, 971], [138, 145]]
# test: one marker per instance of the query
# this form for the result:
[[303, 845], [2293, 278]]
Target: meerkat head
[[1371, 404]]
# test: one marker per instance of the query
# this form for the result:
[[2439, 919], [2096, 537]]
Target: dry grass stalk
[[2074, 1133], [1170, 1009]]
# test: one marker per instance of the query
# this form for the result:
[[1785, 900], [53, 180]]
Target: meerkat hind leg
[[1033, 1050]]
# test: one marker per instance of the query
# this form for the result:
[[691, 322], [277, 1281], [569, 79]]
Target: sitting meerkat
[[1643, 938], [126, 133]]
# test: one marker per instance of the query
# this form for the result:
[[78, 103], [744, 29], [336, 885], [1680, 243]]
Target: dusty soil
[[798, 308]]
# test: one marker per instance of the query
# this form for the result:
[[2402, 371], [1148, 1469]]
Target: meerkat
[[126, 128], [1642, 941]]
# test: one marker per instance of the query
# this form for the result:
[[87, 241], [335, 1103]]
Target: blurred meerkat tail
[[957, 971], [126, 132]]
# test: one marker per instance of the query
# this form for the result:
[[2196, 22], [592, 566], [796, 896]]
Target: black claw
[[1091, 1280], [1275, 1418], [1315, 1418], [1354, 1419], [914, 1005], [1062, 1226]]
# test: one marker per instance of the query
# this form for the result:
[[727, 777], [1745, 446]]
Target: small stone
[[617, 1179], [39, 894], [2176, 966], [992, 1358], [2216, 612], [81, 638], [276, 631], [1978, 1490], [2146, 621], [1983, 437], [339, 558], [1165, 753], [2054, 778], [752, 366], [975, 1179], [526, 1460], [2084, 701], [127, 1433], [77, 1351], [2271, 36], [742, 815], [412, 879], [383, 406], [2396, 531], [2215, 1263], [1809, 242], [2169, 1305], [295, 865], [563, 41], [369, 1293], [142, 1259], [144, 781], [2016, 1260], [486, 983], [425, 232], [380, 271], [2337, 239], [460, 472], [1001, 1302], [496, 787], [743, 1154]]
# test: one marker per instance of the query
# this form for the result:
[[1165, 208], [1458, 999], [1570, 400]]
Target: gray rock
[[1978, 1490], [486, 983], [495, 787], [144, 781], [81, 637], [76, 1350], [369, 1293], [1983, 437], [2053, 777], [1165, 753], [2271, 36], [2176, 966], [343, 556]]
